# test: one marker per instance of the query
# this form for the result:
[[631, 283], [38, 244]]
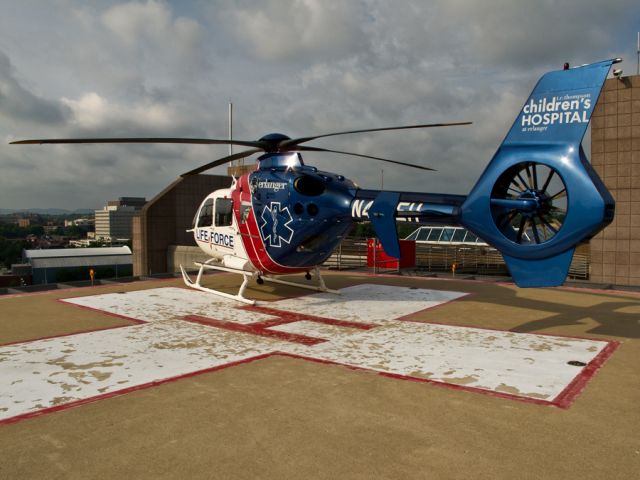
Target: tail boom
[[537, 198], [566, 205]]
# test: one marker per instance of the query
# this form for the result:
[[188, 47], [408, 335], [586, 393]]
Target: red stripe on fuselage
[[250, 233]]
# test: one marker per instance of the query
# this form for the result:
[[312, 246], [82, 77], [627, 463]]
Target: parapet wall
[[615, 155], [164, 220]]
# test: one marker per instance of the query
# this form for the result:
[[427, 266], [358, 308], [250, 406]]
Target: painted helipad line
[[363, 332], [531, 366], [48, 373], [368, 303], [168, 303]]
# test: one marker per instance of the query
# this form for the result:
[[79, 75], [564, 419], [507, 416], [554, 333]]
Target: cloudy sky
[[84, 68]]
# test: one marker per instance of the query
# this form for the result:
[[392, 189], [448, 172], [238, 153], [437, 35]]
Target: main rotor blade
[[315, 149], [222, 161], [198, 141], [298, 141]]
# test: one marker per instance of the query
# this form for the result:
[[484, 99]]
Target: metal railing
[[469, 259], [352, 253]]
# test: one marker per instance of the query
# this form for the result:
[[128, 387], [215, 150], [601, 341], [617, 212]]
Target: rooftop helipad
[[403, 376]]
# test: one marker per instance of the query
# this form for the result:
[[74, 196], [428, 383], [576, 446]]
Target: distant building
[[24, 222], [136, 202], [114, 220], [80, 222], [68, 264]]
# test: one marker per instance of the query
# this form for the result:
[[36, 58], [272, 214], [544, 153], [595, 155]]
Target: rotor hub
[[272, 141]]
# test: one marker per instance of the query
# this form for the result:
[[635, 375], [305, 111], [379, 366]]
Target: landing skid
[[321, 287]]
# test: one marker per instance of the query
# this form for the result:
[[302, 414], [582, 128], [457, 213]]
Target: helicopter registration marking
[[360, 208], [182, 332]]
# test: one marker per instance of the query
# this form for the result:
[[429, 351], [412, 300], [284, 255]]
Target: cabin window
[[205, 218], [224, 212]]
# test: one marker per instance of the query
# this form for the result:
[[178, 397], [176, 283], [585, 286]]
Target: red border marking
[[290, 317], [79, 332], [437, 383], [564, 400], [84, 401], [578, 384], [135, 321], [254, 329], [408, 317], [285, 317], [105, 312]]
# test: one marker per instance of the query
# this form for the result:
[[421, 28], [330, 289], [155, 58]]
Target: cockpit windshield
[[281, 160]]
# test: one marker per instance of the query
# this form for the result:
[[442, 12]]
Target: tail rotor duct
[[529, 203]]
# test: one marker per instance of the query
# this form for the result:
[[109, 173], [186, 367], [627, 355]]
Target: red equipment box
[[382, 260]]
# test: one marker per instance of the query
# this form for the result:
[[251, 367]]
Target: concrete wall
[[184, 255], [164, 220], [615, 155]]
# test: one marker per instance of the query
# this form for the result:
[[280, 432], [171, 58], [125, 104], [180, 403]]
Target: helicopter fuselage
[[285, 217]]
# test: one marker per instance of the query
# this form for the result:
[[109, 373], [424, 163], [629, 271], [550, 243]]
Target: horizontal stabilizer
[[547, 272]]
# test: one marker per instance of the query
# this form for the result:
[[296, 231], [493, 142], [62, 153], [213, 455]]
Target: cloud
[[93, 112], [156, 40], [298, 30], [147, 25], [18, 103], [300, 67]]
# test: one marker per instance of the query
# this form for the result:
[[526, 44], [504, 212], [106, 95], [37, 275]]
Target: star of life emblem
[[275, 225]]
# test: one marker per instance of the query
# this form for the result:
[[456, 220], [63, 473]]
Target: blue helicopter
[[537, 199]]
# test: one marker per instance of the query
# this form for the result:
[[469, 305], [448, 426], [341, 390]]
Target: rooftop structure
[[615, 156], [64, 264], [445, 235]]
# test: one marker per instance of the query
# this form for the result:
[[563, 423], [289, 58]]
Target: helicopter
[[537, 199]]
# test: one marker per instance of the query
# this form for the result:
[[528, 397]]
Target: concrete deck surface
[[284, 417]]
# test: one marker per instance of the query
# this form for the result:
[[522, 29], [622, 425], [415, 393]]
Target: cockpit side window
[[224, 212], [205, 217]]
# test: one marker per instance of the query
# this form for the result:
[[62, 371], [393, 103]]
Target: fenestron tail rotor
[[529, 203], [271, 143]]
